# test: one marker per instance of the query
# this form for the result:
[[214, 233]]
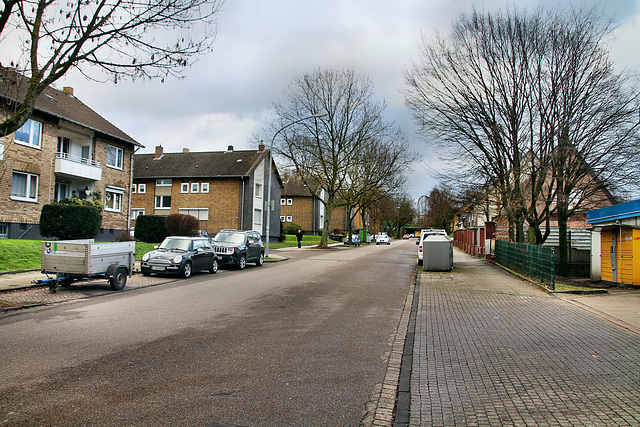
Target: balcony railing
[[76, 166], [77, 159]]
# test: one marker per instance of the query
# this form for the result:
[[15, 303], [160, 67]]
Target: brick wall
[[115, 178], [222, 200], [300, 211]]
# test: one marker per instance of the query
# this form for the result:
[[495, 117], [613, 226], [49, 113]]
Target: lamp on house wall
[[269, 201]]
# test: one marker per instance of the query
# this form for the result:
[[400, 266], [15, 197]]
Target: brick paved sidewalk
[[492, 350]]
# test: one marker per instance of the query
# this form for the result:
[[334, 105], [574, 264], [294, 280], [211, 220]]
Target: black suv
[[238, 247]]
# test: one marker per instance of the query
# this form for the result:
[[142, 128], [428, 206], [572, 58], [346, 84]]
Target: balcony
[[77, 167]]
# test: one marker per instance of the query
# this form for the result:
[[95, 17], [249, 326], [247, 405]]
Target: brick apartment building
[[223, 189], [65, 149]]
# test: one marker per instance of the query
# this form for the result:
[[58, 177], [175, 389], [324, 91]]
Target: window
[[201, 214], [258, 190], [4, 230], [195, 187], [29, 134], [114, 157], [133, 188], [289, 218], [184, 187], [24, 186], [163, 202], [135, 213], [289, 202], [113, 197], [1, 151], [282, 218], [257, 216], [283, 202], [163, 183], [204, 187], [142, 188]]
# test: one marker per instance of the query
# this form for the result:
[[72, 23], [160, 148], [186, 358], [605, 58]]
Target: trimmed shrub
[[150, 228], [182, 225], [292, 228], [70, 221]]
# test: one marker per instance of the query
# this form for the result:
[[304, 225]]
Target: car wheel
[[214, 266], [119, 279], [260, 260], [186, 270], [242, 262]]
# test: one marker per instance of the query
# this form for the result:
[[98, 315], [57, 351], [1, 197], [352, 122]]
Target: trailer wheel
[[119, 279]]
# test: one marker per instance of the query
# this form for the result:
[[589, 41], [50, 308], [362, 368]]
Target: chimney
[[159, 152], [67, 90], [230, 148], [261, 147], [185, 150]]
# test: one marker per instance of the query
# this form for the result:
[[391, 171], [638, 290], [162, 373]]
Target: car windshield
[[173, 244], [229, 237]]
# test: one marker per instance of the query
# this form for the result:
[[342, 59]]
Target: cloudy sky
[[261, 45]]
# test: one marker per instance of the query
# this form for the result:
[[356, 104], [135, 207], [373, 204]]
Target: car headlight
[[177, 259], [145, 257]]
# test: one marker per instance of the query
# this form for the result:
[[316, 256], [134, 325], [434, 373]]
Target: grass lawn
[[16, 255], [291, 241]]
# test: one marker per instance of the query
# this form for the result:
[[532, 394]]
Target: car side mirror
[[418, 242], [156, 247], [251, 241]]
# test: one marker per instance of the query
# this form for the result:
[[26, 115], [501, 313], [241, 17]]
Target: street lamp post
[[314, 116]]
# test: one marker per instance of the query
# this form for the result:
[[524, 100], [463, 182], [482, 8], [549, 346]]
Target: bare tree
[[531, 104], [121, 38], [323, 150]]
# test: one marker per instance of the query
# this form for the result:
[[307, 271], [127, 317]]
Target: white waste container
[[438, 253]]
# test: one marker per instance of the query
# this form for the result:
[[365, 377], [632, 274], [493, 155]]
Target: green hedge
[[70, 221], [150, 228]]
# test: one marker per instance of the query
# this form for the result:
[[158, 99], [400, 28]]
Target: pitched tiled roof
[[294, 186], [61, 105], [197, 164]]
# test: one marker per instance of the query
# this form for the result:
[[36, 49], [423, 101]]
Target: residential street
[[301, 342]]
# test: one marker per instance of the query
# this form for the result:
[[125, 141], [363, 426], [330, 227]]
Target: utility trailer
[[74, 260]]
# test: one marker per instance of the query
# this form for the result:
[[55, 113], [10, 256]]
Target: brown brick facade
[[222, 201], [300, 212]]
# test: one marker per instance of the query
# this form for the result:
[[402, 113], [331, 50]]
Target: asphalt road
[[300, 342]]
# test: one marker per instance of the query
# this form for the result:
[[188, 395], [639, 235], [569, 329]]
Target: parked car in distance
[[406, 236], [355, 240], [423, 234], [237, 248], [202, 233], [383, 238], [181, 256]]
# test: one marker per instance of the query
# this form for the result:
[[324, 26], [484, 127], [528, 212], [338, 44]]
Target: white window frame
[[289, 218], [142, 188], [29, 187], [258, 190], [201, 213], [257, 216], [1, 151], [119, 157], [289, 202], [184, 187], [133, 188], [136, 212], [163, 183], [38, 138], [204, 187], [195, 187], [282, 218], [117, 198], [283, 202], [162, 198]]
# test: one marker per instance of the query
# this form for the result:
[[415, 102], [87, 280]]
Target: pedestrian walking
[[299, 238]]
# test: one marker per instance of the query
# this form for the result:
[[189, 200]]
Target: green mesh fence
[[536, 262]]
